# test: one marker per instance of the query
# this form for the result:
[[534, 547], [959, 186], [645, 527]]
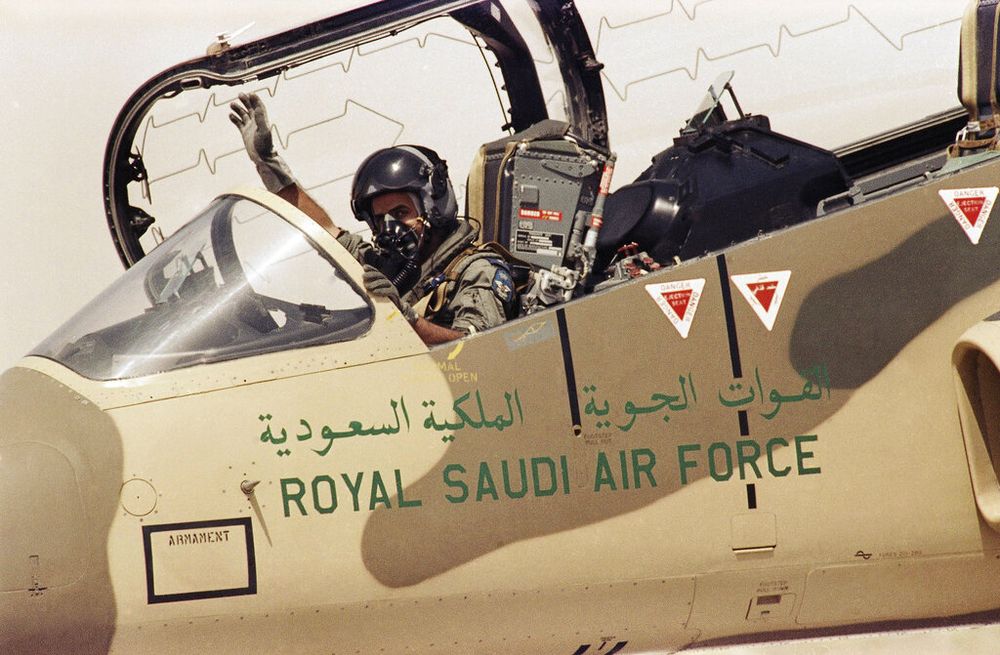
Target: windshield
[[238, 280]]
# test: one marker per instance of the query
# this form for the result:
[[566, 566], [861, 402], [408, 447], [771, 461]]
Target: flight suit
[[472, 290]]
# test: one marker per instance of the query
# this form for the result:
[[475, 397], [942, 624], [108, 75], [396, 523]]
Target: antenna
[[223, 40]]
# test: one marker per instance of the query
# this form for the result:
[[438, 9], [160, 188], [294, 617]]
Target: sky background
[[828, 72]]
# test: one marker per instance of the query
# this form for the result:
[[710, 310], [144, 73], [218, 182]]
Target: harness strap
[[454, 269]]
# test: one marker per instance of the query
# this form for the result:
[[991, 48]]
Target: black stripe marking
[[744, 423], [574, 403], [752, 496], [582, 649], [727, 304], [618, 647]]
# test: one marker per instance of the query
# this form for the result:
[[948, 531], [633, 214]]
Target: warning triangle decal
[[678, 301], [971, 208], [764, 292]]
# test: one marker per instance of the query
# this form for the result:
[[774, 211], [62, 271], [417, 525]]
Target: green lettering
[[535, 461], [624, 466], [455, 483], [379, 494], [402, 502], [324, 509], [287, 496], [506, 479], [682, 450], [744, 458], [604, 475], [712, 470], [643, 467], [778, 473], [486, 484], [802, 455], [565, 473], [354, 488]]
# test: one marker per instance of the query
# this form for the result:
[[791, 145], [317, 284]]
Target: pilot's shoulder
[[488, 270], [481, 266]]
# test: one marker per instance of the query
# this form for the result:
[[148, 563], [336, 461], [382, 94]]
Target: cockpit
[[237, 280], [535, 133]]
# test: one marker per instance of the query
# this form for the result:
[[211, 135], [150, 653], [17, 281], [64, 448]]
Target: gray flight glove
[[378, 284], [250, 116]]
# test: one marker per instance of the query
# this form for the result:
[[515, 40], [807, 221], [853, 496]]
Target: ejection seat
[[978, 85], [722, 182], [533, 192]]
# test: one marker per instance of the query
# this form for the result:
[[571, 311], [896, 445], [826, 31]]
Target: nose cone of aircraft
[[60, 474]]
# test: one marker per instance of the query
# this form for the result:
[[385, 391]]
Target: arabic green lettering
[[327, 434], [406, 415], [267, 436], [309, 431], [591, 408], [777, 399], [429, 423], [390, 429], [482, 413], [816, 378], [807, 391], [738, 401], [517, 401], [694, 394], [760, 387], [629, 409], [510, 412], [499, 423], [684, 393], [466, 419], [663, 401]]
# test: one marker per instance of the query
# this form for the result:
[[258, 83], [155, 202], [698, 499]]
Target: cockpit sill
[[915, 154]]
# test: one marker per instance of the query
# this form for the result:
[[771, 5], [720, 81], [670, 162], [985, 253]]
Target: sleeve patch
[[503, 285]]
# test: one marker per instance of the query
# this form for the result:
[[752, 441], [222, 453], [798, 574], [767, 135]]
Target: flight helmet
[[414, 169]]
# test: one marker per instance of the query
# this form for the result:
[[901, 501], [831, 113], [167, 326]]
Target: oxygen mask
[[397, 249]]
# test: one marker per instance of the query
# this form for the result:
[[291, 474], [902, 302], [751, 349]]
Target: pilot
[[421, 247]]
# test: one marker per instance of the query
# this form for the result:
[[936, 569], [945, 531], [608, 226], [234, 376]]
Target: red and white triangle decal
[[678, 301], [971, 208], [764, 292]]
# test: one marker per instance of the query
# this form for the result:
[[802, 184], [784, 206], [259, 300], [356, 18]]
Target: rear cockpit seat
[[978, 79]]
